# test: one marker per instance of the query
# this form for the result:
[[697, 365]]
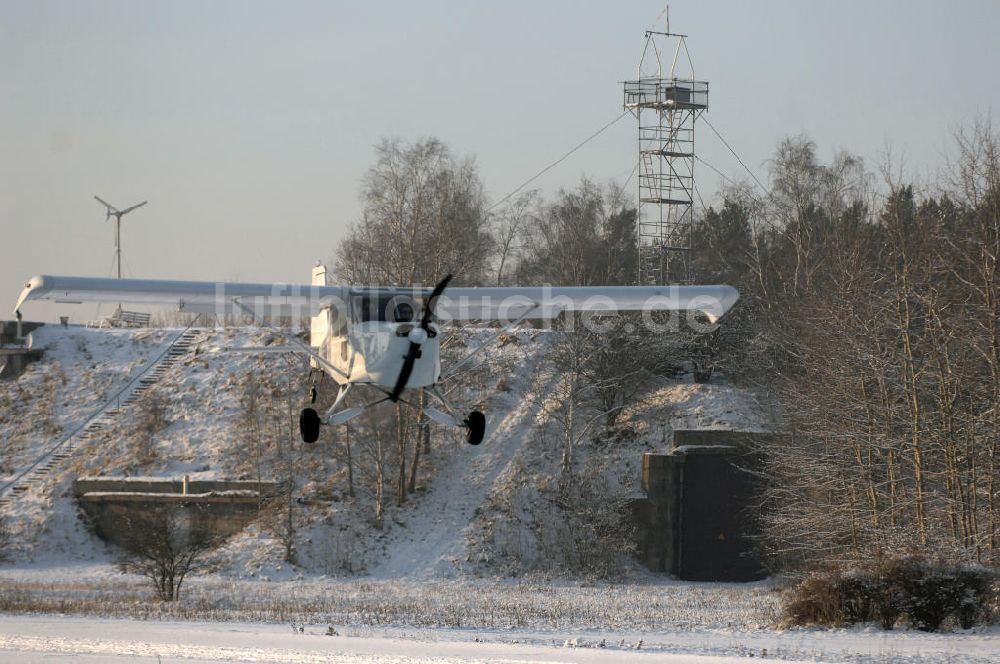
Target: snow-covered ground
[[36, 639], [436, 584], [102, 614], [46, 639]]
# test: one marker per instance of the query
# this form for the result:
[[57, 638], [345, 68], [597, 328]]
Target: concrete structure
[[696, 520], [211, 507], [8, 330], [14, 354], [13, 359]]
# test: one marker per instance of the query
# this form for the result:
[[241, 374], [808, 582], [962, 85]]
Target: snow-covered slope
[[233, 415], [81, 370], [433, 543]]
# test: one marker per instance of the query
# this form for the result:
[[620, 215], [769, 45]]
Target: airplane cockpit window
[[403, 312], [384, 307]]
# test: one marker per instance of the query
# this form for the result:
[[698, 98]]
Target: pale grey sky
[[248, 125]]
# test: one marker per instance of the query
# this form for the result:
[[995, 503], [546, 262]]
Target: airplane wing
[[191, 296], [549, 301], [304, 300]]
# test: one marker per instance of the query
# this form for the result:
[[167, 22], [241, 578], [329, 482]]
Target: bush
[[980, 598], [593, 536], [857, 596], [933, 593], [891, 585], [151, 419], [6, 540], [817, 600], [926, 592], [162, 546]]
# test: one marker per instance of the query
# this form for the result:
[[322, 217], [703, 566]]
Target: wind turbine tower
[[112, 211], [666, 100]]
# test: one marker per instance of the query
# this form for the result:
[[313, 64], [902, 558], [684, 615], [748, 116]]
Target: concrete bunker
[[696, 519], [218, 508], [15, 353]]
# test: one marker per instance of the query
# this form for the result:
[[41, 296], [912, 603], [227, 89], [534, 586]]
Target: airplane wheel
[[475, 427], [309, 425]]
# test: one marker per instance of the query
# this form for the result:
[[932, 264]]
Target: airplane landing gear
[[474, 424], [475, 427], [309, 425]]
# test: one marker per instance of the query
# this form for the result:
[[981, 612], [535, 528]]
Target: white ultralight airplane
[[386, 338]]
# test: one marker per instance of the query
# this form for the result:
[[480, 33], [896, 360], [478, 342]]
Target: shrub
[[817, 600], [593, 537], [857, 598], [980, 593], [6, 540], [926, 592], [151, 419], [162, 546], [891, 586], [933, 593]]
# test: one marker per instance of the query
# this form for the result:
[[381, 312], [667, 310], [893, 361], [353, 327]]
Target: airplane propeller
[[417, 336]]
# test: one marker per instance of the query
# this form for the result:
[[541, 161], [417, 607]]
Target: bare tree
[[349, 459], [880, 329], [598, 379], [423, 217], [511, 223], [285, 438], [268, 404], [376, 456], [564, 247], [976, 184], [161, 547], [250, 419]]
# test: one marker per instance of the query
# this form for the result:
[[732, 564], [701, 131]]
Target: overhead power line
[[717, 172], [731, 150], [556, 162]]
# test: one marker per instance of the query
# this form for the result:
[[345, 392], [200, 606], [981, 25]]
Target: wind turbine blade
[[134, 207], [106, 204]]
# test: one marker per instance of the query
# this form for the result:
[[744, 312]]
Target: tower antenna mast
[[112, 211], [665, 101]]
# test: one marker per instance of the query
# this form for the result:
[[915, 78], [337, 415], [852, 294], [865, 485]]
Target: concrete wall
[[85, 485], [14, 359], [657, 515], [739, 439], [8, 330], [216, 508], [696, 520]]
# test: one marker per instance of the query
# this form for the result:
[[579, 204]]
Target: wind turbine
[[112, 211]]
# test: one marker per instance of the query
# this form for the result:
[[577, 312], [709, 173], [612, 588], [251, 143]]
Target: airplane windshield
[[384, 307]]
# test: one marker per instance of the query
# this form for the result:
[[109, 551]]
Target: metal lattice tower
[[666, 105]]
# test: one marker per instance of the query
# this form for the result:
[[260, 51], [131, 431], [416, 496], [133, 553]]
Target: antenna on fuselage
[[112, 211]]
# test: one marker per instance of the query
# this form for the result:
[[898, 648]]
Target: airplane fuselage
[[373, 352]]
